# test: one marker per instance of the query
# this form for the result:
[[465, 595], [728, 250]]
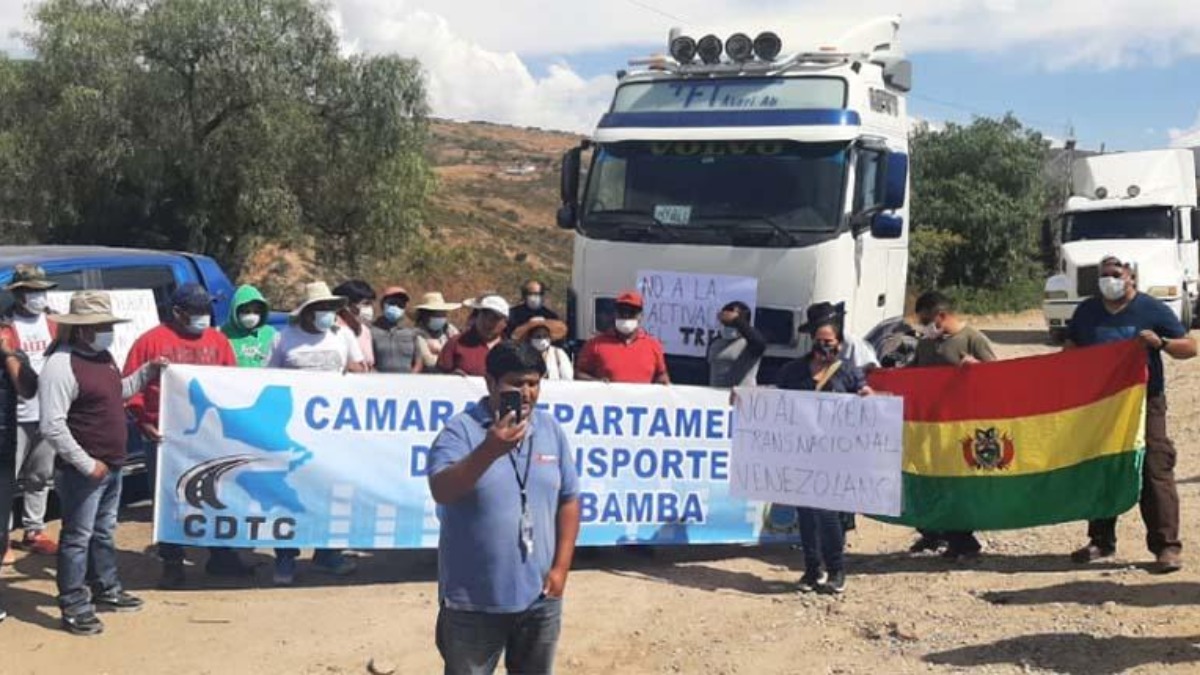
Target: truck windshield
[[1146, 223], [772, 192]]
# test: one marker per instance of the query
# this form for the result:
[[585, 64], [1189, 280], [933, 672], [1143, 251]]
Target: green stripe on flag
[[1103, 487]]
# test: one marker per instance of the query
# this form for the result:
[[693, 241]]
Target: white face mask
[[930, 331], [437, 324], [729, 332], [533, 301], [250, 321], [626, 326], [198, 324], [1112, 288], [102, 342], [540, 344], [366, 314], [323, 321], [36, 302]]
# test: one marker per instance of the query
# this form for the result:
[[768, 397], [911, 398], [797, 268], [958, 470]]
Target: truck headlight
[[1163, 291], [1055, 295]]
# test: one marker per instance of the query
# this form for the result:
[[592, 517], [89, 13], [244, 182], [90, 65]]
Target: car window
[[158, 278], [67, 281]]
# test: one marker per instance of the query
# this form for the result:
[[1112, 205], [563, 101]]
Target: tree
[[978, 202], [210, 125]]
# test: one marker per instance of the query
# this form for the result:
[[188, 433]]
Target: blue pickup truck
[[96, 267]]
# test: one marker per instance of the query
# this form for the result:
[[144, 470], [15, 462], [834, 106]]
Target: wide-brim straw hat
[[318, 293], [558, 329], [88, 308], [435, 302], [29, 278]]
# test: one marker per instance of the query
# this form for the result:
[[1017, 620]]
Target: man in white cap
[[83, 418], [35, 458], [467, 354], [314, 341]]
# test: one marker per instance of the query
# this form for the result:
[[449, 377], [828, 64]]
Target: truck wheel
[[1058, 336]]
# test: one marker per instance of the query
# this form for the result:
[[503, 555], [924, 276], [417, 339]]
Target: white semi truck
[[730, 157], [1136, 205]]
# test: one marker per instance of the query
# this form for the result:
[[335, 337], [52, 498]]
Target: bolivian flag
[[1020, 443]]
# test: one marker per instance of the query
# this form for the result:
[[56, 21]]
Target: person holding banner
[[1120, 312], [395, 344], [83, 417], [357, 314], [541, 334], [627, 353], [17, 379], [247, 329], [434, 329], [466, 354], [315, 342], [504, 478], [188, 338], [822, 532]]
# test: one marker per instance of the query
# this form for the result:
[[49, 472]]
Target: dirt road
[[1024, 608]]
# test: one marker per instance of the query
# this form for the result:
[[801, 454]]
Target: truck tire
[[1058, 336]]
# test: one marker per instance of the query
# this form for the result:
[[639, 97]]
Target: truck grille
[[1086, 280]]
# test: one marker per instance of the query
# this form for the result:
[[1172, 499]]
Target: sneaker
[[811, 581], [173, 576], [3, 615], [86, 623], [336, 564], [1168, 562], [285, 571], [1092, 553], [117, 601], [40, 543], [836, 584]]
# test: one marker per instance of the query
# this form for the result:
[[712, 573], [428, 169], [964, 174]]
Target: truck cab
[[730, 158], [1141, 207]]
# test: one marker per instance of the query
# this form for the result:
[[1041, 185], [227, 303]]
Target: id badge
[[526, 533]]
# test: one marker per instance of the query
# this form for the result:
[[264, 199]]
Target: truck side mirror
[[895, 188], [568, 213], [887, 226]]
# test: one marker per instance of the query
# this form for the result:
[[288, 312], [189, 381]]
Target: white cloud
[[1186, 138]]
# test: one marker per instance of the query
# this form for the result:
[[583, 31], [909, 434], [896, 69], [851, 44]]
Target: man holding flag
[[1122, 313]]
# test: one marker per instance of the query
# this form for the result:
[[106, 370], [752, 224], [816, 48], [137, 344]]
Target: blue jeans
[[822, 538], [471, 642], [87, 553]]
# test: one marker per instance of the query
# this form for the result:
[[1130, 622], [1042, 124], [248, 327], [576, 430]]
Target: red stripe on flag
[[1016, 388]]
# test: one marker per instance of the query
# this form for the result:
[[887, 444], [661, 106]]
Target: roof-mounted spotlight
[[740, 48], [767, 46], [709, 48], [683, 49]]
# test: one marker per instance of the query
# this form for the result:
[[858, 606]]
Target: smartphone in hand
[[510, 402]]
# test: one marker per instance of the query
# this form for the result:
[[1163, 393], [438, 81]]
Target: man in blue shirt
[[1122, 313], [507, 491]]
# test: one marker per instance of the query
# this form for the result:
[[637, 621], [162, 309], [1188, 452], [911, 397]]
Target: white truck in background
[[1136, 205]]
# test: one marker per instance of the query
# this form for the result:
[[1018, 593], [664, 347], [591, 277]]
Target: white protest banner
[[273, 457], [137, 305], [832, 451], [681, 309]]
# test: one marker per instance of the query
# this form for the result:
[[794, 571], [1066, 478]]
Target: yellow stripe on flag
[[1027, 445]]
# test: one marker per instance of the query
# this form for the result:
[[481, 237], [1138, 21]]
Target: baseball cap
[[631, 298], [192, 297], [493, 303]]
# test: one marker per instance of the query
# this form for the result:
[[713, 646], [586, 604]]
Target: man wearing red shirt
[[188, 338], [466, 354], [626, 353]]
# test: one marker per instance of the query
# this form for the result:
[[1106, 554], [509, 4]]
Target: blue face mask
[[437, 324], [323, 321], [393, 313]]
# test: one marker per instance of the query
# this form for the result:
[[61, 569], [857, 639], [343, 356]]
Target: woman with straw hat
[[83, 418], [541, 333], [434, 329]]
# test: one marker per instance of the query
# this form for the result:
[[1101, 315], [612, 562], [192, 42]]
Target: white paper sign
[[668, 214], [832, 451], [681, 309], [136, 305]]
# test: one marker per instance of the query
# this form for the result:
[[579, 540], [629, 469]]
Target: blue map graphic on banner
[[262, 426]]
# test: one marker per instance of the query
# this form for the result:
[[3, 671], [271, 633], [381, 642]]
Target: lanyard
[[522, 481]]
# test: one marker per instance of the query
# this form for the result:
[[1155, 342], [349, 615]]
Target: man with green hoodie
[[247, 328]]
